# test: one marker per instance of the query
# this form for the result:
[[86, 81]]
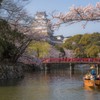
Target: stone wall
[[11, 71]]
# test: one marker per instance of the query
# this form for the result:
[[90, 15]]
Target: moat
[[52, 85]]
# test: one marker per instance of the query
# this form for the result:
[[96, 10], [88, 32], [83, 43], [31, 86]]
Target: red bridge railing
[[71, 60]]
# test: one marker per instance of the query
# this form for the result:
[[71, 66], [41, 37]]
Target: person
[[93, 71], [86, 77], [92, 77], [98, 77]]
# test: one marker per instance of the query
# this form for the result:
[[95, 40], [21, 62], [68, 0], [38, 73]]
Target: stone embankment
[[11, 71]]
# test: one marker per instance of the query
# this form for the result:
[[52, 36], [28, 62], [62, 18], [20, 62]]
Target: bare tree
[[78, 14], [13, 12]]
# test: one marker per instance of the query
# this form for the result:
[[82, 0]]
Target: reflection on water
[[54, 85]]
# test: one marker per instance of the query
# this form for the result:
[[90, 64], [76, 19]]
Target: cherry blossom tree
[[14, 13], [78, 14]]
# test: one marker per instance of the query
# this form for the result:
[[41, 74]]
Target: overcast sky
[[63, 6]]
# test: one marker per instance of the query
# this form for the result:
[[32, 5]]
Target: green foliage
[[7, 34], [72, 42], [40, 48], [87, 45], [8, 39], [85, 39], [93, 51], [97, 43], [61, 49], [78, 52]]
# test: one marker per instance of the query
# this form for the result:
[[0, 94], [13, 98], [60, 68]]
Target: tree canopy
[[15, 23], [87, 45], [41, 49], [78, 14], [12, 39]]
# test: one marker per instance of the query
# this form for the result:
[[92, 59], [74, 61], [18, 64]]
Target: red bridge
[[71, 60], [59, 60], [44, 63]]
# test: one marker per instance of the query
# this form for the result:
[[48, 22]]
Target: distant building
[[42, 24], [65, 38], [59, 39]]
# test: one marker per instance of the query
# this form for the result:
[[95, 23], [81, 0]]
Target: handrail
[[77, 60], [61, 60]]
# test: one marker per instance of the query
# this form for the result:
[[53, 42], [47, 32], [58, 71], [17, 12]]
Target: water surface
[[54, 85]]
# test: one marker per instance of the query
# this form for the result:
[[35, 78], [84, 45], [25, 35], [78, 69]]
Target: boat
[[92, 83]]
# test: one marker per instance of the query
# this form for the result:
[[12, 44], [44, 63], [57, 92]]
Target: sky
[[63, 6]]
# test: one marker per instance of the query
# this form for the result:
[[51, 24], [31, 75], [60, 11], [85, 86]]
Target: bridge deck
[[71, 60], [61, 60]]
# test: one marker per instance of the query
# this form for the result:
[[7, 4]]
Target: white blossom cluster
[[77, 14]]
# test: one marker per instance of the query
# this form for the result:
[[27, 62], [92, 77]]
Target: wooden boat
[[92, 83]]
